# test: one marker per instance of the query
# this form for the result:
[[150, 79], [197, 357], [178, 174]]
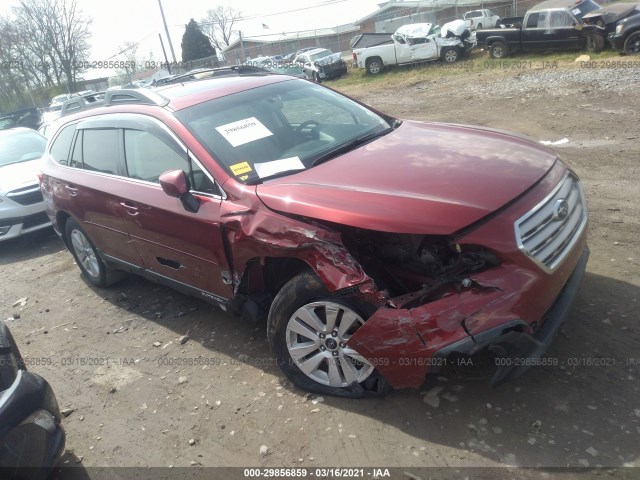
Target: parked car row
[[559, 25]]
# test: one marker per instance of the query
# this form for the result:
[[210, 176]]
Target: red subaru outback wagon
[[374, 248]]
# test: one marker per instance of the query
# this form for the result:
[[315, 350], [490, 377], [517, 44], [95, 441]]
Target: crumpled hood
[[17, 175], [328, 60], [425, 178], [612, 13]]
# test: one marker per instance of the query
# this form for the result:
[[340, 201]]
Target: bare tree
[[219, 25], [57, 35]]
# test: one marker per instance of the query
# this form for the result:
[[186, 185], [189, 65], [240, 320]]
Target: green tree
[[195, 44]]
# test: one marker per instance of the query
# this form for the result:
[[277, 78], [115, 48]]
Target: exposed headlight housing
[[619, 28]]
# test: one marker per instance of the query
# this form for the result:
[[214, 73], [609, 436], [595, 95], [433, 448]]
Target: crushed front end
[[503, 285]]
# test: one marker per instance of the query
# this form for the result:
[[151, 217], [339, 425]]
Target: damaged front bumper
[[513, 343], [405, 344], [509, 311]]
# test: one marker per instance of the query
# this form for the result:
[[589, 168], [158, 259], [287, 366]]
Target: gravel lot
[[143, 396]]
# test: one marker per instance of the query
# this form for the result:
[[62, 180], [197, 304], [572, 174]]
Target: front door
[[173, 243]]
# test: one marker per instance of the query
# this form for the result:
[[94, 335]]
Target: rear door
[[88, 188], [173, 243]]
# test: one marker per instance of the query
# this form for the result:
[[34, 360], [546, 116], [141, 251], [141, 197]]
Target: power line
[[252, 17]]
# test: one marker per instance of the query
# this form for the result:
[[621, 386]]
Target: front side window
[[100, 150], [147, 157], [279, 128], [560, 19]]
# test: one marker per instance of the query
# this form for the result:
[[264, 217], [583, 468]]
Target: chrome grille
[[547, 233], [26, 195]]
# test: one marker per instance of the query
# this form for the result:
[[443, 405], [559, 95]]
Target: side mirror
[[175, 183]]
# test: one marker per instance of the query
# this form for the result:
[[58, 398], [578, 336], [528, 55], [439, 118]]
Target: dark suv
[[374, 248]]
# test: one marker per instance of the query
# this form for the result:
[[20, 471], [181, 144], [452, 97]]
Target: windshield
[[16, 147], [279, 128], [319, 55], [287, 69]]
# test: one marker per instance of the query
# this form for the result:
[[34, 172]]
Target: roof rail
[[123, 96], [208, 73]]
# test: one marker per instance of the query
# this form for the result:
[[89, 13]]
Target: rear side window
[[62, 144], [532, 21], [148, 157], [100, 150]]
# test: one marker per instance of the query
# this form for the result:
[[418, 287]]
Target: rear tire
[[374, 66], [87, 258], [308, 330], [498, 50], [594, 43]]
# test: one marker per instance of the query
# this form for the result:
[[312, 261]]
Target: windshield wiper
[[257, 180], [356, 142]]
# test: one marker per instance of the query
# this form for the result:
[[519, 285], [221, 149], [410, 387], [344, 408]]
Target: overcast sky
[[118, 21]]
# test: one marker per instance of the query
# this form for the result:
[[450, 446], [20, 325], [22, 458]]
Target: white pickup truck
[[414, 43], [479, 19]]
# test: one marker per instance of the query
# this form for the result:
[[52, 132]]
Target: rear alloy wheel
[[450, 55], [498, 50], [87, 258], [632, 44], [308, 331], [594, 43], [374, 66]]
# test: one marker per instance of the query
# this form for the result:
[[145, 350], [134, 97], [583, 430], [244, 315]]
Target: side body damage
[[428, 296]]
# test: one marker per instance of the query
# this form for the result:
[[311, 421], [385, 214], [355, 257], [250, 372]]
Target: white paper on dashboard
[[244, 131], [267, 169]]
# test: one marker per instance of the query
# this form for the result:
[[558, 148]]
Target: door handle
[[130, 208], [72, 190]]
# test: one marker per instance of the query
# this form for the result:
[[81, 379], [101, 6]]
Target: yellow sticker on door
[[240, 168]]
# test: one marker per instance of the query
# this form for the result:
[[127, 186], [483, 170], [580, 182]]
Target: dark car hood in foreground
[[421, 178]]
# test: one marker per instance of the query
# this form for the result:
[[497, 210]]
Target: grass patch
[[476, 62]]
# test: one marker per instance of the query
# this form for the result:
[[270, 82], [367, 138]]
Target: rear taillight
[[355, 59]]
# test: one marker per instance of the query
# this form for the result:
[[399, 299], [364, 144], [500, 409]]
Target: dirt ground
[[141, 398]]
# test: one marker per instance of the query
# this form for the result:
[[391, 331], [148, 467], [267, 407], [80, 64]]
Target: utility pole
[[164, 52], [166, 29]]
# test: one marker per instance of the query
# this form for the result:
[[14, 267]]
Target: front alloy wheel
[[316, 338], [309, 330]]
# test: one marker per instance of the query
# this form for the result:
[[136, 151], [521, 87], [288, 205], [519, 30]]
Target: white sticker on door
[[267, 169], [244, 131]]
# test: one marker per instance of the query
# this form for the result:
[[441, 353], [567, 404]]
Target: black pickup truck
[[550, 25]]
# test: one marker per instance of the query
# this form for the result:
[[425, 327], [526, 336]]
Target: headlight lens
[[619, 29]]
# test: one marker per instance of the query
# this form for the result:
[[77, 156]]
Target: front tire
[[308, 330], [632, 44], [594, 43], [87, 258], [450, 55]]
